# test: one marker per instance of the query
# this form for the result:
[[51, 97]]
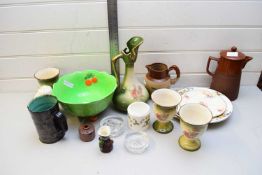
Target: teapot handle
[[114, 60], [208, 63], [175, 68]]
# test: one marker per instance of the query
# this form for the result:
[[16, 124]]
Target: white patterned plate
[[220, 106]]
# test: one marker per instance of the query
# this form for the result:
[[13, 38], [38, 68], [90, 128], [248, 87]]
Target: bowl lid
[[74, 89]]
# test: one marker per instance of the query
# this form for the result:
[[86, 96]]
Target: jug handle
[[208, 63], [114, 59], [60, 120], [175, 68]]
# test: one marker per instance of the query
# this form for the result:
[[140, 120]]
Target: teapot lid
[[232, 54]]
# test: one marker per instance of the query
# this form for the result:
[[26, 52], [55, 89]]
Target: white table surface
[[231, 147]]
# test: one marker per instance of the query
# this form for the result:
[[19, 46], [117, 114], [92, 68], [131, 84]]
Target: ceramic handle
[[60, 120], [208, 63], [175, 68], [114, 60]]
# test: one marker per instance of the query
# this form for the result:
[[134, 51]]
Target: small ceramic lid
[[232, 54], [104, 131]]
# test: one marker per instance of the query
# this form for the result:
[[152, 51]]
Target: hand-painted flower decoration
[[89, 79], [136, 92]]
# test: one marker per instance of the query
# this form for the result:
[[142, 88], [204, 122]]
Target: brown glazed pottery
[[105, 142], [87, 132], [158, 76], [227, 76], [259, 84]]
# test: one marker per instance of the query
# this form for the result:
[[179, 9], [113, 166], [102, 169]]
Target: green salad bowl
[[85, 93]]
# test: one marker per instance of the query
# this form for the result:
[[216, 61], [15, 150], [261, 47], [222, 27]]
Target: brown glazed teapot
[[227, 76]]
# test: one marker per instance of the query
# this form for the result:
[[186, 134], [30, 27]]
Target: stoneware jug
[[259, 83], [227, 76], [130, 89], [158, 76]]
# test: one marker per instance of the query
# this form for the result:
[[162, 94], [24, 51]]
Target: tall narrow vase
[[130, 89]]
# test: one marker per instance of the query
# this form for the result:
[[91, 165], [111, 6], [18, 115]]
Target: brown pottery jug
[[158, 76], [227, 76]]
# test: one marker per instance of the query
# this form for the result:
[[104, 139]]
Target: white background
[[72, 35]]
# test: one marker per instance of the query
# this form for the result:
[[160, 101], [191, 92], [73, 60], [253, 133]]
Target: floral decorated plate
[[220, 106]]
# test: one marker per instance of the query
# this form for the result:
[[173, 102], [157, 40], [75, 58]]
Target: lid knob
[[234, 49]]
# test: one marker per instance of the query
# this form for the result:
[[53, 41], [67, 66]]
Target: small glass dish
[[136, 142], [116, 123]]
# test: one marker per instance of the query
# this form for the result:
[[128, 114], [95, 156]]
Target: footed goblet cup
[[165, 103], [194, 119]]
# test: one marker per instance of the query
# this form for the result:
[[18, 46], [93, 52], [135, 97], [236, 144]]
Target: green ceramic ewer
[[130, 89]]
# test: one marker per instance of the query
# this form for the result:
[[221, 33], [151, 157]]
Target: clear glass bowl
[[116, 123], [136, 142]]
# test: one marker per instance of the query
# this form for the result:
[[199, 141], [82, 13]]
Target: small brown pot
[[87, 132]]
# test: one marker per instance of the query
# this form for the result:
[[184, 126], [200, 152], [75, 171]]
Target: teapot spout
[[247, 59]]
